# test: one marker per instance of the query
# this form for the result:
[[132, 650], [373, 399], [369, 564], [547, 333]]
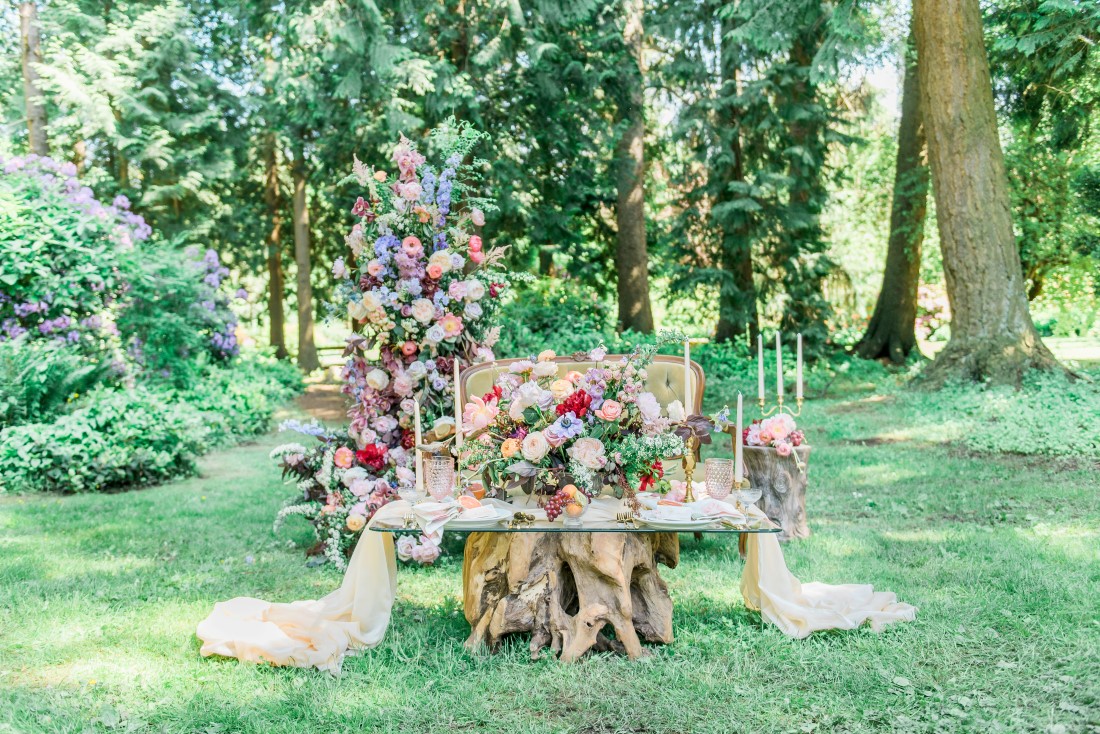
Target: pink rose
[[475, 244], [343, 457], [435, 272], [765, 438], [412, 247], [478, 414], [610, 410], [457, 290], [588, 452], [374, 268], [426, 552], [477, 256], [409, 191], [477, 217], [361, 487], [783, 448], [677, 490], [409, 348]]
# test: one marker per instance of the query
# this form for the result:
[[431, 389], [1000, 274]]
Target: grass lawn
[[100, 595]]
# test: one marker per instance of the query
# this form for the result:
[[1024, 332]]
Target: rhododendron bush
[[422, 289]]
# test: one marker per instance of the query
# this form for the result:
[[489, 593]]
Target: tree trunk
[[307, 349], [782, 483], [891, 334], [631, 257], [275, 283], [992, 335], [80, 156], [737, 311], [32, 96], [564, 588]]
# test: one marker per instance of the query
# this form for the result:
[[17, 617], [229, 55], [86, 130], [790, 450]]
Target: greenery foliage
[[117, 438]]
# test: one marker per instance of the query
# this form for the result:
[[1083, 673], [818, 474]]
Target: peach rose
[[442, 258], [380, 176], [423, 310], [356, 523], [546, 355], [573, 376], [435, 272], [343, 457], [535, 446], [610, 410], [510, 448], [374, 268], [561, 389]]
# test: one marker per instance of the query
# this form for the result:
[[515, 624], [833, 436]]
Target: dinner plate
[[675, 524], [481, 522]]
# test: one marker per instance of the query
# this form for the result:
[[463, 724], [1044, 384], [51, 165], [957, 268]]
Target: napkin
[[432, 516], [669, 513], [711, 508], [484, 512]]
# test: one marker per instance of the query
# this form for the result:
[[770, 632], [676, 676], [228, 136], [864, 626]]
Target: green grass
[[100, 595]]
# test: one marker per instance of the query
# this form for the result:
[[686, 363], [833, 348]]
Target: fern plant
[[38, 380]]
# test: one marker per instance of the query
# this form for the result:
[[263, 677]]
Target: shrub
[[39, 379], [119, 438], [62, 254], [177, 319], [553, 314]]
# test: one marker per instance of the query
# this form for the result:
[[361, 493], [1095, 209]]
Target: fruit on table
[[574, 509], [468, 502]]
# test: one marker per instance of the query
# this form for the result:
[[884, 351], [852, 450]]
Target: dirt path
[[325, 402]]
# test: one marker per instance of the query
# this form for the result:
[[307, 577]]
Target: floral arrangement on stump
[[591, 429], [422, 288]]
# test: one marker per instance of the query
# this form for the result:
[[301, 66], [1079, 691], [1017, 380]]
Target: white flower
[[475, 291], [457, 261], [355, 474], [588, 452], [371, 301], [524, 397], [378, 379], [648, 406], [545, 369], [435, 334], [406, 544], [472, 311], [441, 258], [416, 370], [423, 310], [357, 311], [676, 412], [534, 447]]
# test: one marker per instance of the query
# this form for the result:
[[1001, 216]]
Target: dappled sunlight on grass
[[1000, 560]]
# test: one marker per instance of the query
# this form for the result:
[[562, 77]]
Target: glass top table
[[593, 527]]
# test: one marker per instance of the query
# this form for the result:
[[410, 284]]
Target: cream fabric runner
[[320, 633]]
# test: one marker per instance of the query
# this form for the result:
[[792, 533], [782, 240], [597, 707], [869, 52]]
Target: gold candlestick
[[737, 487], [690, 444], [779, 407]]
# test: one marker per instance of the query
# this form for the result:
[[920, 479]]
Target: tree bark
[[275, 283], [782, 483], [891, 334], [992, 335], [737, 310], [31, 54], [307, 349], [565, 588], [631, 256]]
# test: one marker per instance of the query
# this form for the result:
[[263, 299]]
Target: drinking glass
[[441, 477], [719, 477], [748, 496]]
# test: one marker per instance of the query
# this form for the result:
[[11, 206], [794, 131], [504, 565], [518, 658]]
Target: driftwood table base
[[565, 589]]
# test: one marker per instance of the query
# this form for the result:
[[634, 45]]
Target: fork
[[410, 518]]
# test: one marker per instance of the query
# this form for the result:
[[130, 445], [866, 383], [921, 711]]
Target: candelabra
[[690, 444], [779, 407]]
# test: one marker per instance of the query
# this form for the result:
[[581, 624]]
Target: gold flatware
[[410, 519]]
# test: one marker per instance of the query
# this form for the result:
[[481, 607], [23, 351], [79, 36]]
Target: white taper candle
[[798, 371], [778, 366], [418, 459], [760, 365], [687, 377], [737, 473], [458, 410]]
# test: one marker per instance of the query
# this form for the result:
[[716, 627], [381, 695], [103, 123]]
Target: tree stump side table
[[565, 588], [783, 487]]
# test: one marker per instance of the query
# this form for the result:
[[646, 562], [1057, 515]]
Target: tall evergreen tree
[[31, 57], [992, 335], [891, 333]]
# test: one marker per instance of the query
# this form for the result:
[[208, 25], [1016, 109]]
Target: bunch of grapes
[[556, 504]]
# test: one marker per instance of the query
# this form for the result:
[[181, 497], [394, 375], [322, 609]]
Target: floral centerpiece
[[593, 429], [422, 287]]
